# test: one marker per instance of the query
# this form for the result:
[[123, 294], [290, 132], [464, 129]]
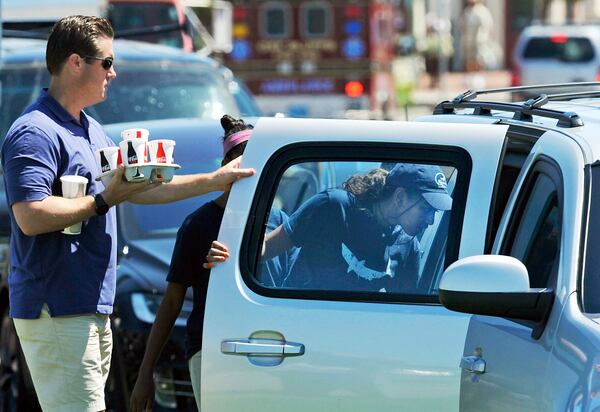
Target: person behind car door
[[62, 287], [186, 270]]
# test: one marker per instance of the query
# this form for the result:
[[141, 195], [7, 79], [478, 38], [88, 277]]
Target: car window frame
[[548, 168], [281, 160]]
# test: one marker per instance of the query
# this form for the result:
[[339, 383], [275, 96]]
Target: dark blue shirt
[[194, 239], [342, 247], [72, 274]]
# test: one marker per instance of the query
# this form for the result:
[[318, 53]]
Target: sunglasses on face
[[107, 62]]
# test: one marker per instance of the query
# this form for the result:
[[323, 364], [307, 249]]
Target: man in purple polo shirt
[[62, 287]]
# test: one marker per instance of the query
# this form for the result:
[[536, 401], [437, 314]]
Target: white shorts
[[69, 359], [195, 369]]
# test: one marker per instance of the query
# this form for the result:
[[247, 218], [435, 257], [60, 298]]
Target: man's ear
[[74, 62]]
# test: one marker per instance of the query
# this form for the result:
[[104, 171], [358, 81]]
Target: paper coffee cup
[[108, 158], [131, 134], [72, 187], [161, 150], [133, 152]]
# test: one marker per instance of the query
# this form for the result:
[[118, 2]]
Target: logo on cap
[[440, 180]]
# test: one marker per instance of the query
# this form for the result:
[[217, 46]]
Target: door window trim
[[360, 151], [550, 169]]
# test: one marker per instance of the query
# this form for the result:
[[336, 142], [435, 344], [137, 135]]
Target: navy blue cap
[[427, 179]]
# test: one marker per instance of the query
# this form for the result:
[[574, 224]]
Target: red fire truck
[[316, 58]]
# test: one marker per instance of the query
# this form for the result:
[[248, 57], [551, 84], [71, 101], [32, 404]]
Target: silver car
[[518, 250]]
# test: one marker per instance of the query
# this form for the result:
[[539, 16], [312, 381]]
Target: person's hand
[[225, 176], [142, 396], [119, 189], [217, 253]]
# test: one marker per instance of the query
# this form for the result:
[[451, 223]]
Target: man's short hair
[[75, 34]]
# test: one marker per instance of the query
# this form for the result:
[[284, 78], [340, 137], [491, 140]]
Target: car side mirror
[[495, 285]]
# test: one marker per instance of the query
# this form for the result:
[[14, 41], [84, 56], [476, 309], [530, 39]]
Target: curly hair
[[231, 126], [370, 187]]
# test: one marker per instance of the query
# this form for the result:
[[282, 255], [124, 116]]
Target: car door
[[269, 346], [542, 228]]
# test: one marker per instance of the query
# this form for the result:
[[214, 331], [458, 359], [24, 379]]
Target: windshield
[[153, 91], [199, 155], [567, 49], [127, 16], [20, 87], [144, 91]]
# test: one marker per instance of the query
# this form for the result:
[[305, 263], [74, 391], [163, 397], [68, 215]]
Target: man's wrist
[[100, 205]]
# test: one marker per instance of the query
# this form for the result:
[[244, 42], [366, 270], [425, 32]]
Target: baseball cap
[[427, 179]]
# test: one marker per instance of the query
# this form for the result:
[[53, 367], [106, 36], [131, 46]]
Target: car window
[[591, 272], [316, 19], [139, 15], [20, 87], [276, 20], [567, 49], [152, 91], [345, 242], [536, 228]]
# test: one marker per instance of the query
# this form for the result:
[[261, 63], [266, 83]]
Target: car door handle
[[261, 347], [473, 364]]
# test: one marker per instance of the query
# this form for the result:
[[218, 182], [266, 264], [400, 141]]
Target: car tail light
[[598, 76], [354, 89], [515, 76], [559, 38]]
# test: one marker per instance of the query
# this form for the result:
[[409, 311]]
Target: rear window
[[567, 49]]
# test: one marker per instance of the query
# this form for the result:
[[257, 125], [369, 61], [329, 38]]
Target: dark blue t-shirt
[[72, 274], [342, 247], [194, 239]]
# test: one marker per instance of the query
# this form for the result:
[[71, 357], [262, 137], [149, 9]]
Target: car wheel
[[16, 388]]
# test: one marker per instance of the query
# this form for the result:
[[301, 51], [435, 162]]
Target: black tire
[[16, 388]]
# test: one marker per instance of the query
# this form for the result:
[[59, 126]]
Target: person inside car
[[187, 269], [362, 237]]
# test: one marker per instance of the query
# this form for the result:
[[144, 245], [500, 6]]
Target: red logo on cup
[[161, 157]]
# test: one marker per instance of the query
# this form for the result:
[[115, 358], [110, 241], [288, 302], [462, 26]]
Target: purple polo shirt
[[72, 274]]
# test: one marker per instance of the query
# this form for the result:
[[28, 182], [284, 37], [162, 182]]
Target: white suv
[[556, 54], [525, 183]]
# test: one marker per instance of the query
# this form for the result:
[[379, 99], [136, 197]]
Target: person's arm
[[276, 242], [54, 213], [186, 186], [142, 395]]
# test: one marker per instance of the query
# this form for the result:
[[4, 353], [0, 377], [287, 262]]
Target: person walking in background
[[62, 287], [476, 42]]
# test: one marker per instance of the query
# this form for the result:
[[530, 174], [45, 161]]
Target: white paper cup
[[131, 134], [161, 151], [108, 158], [73, 186], [133, 152]]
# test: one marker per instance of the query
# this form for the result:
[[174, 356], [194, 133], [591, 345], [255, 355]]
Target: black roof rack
[[522, 111]]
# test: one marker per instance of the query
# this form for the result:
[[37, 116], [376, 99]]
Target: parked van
[[557, 54]]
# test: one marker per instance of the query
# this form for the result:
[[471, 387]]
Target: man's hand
[[224, 177], [118, 189]]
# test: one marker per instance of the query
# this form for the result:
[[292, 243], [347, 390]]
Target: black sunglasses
[[107, 62]]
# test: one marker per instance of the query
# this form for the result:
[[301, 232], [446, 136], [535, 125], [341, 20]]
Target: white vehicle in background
[[557, 54]]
